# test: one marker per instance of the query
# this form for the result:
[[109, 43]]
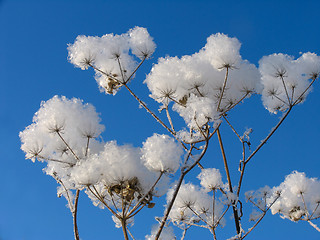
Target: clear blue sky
[[34, 67]]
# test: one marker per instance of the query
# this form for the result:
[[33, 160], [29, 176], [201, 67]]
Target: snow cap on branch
[[112, 56], [193, 204], [299, 197], [73, 120], [286, 80], [210, 179], [161, 153], [199, 78]]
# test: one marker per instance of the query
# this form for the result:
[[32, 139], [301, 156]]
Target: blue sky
[[34, 67]]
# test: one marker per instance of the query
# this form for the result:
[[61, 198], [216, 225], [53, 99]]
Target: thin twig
[[222, 215], [145, 195], [315, 209], [213, 208], [269, 135], [262, 216], [175, 193], [314, 225], [67, 145], [145, 57], [240, 100], [169, 119], [285, 88], [55, 160], [224, 117], [100, 198], [130, 234], [301, 95], [87, 146], [223, 88]]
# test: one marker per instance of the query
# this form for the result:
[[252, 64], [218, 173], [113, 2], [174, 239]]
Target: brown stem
[[235, 211], [259, 220], [213, 208], [314, 226], [175, 193], [64, 141], [145, 57], [269, 135], [124, 229], [100, 198], [74, 214], [223, 88], [240, 100], [285, 88], [87, 146], [235, 132], [298, 99], [149, 111], [222, 215], [55, 160]]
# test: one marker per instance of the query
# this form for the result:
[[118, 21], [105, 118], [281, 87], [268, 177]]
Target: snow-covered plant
[[202, 89]]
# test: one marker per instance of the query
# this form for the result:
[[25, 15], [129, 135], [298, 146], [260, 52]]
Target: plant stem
[[124, 229], [183, 173], [235, 211], [74, 214]]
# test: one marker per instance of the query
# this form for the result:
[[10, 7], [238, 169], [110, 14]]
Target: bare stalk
[[315, 209], [222, 215], [235, 132], [144, 58], [269, 135], [240, 100], [198, 215], [74, 214], [235, 211], [223, 88], [124, 229], [54, 160], [262, 216], [213, 206], [169, 119], [149, 111], [184, 232], [100, 198], [299, 98], [285, 88], [130, 234], [121, 71], [67, 145], [305, 205], [175, 193], [87, 146], [314, 225]]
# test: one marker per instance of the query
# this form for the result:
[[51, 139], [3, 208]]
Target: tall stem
[[235, 211], [124, 229], [74, 214]]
